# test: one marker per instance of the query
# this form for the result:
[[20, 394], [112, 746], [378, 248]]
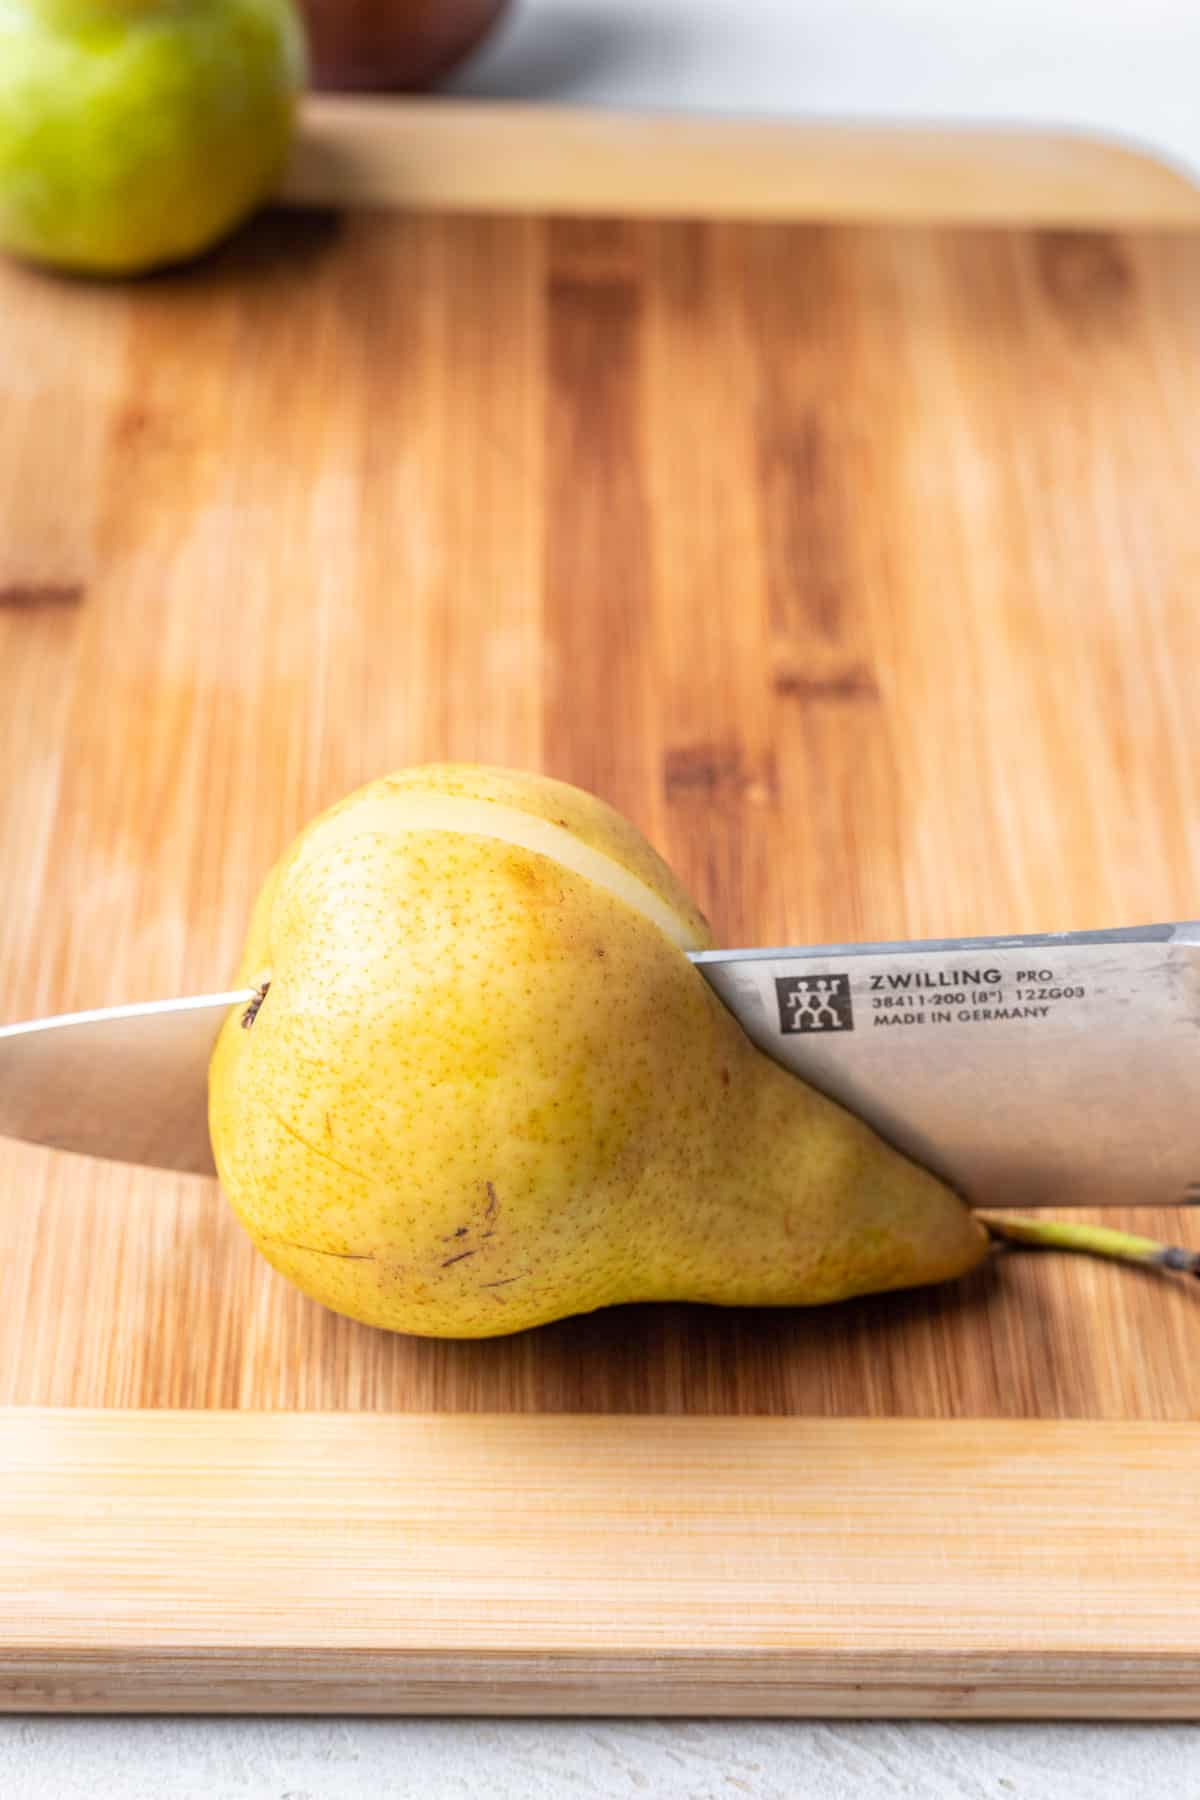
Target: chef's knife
[[1034, 1071]]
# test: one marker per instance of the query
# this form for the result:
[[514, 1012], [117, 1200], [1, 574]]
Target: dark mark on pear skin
[[252, 1011], [461, 1257], [312, 1250], [460, 1231]]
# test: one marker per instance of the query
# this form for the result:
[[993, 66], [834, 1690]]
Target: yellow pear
[[484, 1087]]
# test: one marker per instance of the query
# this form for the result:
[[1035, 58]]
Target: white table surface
[[545, 1759], [1125, 67]]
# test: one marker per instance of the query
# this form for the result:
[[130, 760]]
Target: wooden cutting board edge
[[276, 1562], [446, 155]]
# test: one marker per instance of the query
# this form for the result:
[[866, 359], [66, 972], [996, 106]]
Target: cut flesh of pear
[[391, 815]]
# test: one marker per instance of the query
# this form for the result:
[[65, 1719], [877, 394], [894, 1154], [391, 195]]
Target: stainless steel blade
[[1034, 1071], [129, 1083], [1028, 1071]]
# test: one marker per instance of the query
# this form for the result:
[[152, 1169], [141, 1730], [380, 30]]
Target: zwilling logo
[[814, 1003]]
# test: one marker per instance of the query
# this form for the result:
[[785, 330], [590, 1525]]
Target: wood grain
[[858, 566], [453, 155], [295, 1562]]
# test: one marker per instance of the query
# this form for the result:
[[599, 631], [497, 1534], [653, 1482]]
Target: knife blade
[[126, 1083], [1046, 1070], [1050, 1070]]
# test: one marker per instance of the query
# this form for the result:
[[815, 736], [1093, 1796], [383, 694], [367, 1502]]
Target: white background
[[1126, 67]]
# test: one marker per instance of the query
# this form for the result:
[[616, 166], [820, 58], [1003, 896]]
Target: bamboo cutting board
[[858, 565]]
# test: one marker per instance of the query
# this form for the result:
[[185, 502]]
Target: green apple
[[135, 133]]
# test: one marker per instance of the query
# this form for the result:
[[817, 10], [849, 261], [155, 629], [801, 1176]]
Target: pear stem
[[1090, 1240]]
